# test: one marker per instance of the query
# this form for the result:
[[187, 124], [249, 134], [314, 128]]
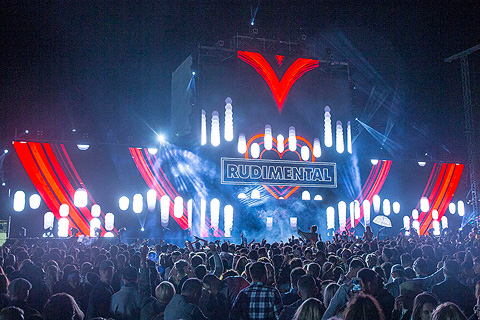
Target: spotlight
[[3, 184], [422, 163], [26, 131], [161, 138], [5, 151], [356, 119], [193, 73], [252, 23], [374, 162], [74, 130], [152, 151], [143, 229]]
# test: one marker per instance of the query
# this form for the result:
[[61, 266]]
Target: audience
[[345, 277]]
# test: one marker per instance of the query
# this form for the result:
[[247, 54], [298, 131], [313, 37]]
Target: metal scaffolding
[[469, 123]]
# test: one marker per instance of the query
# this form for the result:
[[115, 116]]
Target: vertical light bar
[[461, 208], [203, 214], [317, 150], [151, 199], [268, 141], [376, 203], [340, 146], [94, 224], [328, 128], [414, 214], [242, 144], [365, 204], [48, 220], [123, 203], [34, 201], [424, 205], [64, 210], [293, 223], [255, 150], [406, 223], [215, 212], [352, 214], [109, 221], [215, 129], [436, 227], [96, 211], [386, 207], [228, 220], [396, 207], [444, 222], [63, 227], [80, 198], [137, 203], [228, 120], [435, 214], [280, 143], [178, 207], [305, 153], [366, 214], [190, 213], [342, 215], [330, 218], [416, 225], [452, 207], [204, 128], [164, 210], [349, 137], [269, 223], [292, 139]]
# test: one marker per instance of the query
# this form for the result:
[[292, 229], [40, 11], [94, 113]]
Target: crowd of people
[[302, 278]]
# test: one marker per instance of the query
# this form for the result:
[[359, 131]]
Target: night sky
[[104, 67]]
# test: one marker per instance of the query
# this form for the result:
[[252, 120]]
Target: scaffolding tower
[[469, 124]]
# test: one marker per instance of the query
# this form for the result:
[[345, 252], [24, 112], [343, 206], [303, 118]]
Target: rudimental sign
[[279, 173]]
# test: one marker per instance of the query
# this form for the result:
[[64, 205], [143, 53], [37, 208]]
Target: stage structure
[[262, 143]]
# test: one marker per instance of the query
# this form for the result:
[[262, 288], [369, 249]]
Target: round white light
[[137, 203], [96, 211], [396, 207], [35, 201], [80, 198], [64, 210], [255, 150], [123, 203], [19, 201]]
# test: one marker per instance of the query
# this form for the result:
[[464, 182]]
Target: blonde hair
[[329, 292], [448, 311], [164, 292], [311, 309]]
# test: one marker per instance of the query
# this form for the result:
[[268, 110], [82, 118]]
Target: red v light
[[279, 88]]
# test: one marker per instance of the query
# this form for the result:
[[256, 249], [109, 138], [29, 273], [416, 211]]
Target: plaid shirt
[[257, 301]]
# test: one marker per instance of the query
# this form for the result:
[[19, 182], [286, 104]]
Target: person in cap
[[18, 291], [398, 276], [127, 303], [101, 295], [186, 305]]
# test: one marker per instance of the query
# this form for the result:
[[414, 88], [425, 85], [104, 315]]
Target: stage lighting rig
[[48, 232], [74, 231]]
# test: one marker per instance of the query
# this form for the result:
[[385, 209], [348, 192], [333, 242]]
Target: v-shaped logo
[[279, 88]]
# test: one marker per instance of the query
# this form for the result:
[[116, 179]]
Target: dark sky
[[103, 67]]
